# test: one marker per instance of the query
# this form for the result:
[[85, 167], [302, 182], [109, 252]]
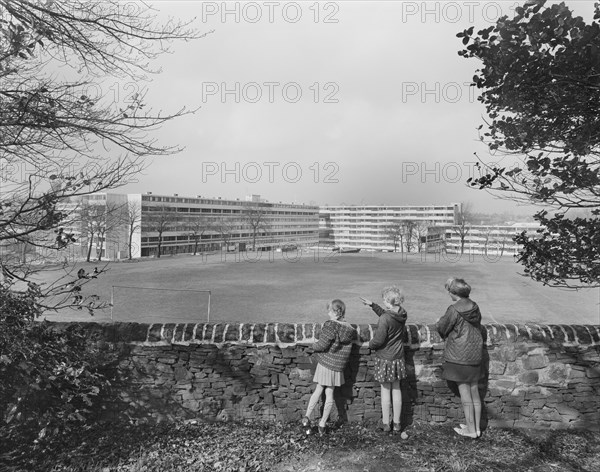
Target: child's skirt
[[328, 377], [389, 371], [461, 373]]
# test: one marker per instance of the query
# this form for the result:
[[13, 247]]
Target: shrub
[[50, 377]]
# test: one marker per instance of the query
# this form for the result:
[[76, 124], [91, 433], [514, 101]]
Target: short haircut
[[393, 295], [338, 307], [459, 287]]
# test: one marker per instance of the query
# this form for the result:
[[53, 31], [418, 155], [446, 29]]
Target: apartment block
[[111, 226], [212, 223], [490, 240], [387, 228]]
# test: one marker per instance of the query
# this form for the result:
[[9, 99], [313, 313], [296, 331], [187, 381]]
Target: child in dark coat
[[461, 328], [388, 344]]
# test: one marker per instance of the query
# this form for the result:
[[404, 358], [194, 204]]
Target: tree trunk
[[101, 244], [23, 253], [130, 244], [89, 252]]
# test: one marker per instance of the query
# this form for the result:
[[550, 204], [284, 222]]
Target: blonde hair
[[448, 283], [338, 307], [393, 295]]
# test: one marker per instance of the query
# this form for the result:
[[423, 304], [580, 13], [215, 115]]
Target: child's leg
[[385, 402], [314, 399], [467, 403], [328, 405], [397, 402], [476, 406]]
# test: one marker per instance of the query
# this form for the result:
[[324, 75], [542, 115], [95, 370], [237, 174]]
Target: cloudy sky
[[355, 102]]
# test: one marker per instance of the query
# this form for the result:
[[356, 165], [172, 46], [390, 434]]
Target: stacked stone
[[545, 376], [538, 376]]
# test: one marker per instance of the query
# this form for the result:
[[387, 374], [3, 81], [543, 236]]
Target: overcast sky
[[355, 102]]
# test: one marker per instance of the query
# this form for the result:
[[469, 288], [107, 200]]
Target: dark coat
[[388, 340], [461, 328], [335, 344]]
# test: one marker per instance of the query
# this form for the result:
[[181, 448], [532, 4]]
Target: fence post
[[208, 313], [112, 301]]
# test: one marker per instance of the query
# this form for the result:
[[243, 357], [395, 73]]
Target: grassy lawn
[[296, 289], [224, 447]]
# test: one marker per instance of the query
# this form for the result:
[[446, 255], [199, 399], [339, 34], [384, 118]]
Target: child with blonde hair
[[388, 344], [333, 347]]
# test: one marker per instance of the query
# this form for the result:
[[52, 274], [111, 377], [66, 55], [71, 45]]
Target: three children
[[460, 327]]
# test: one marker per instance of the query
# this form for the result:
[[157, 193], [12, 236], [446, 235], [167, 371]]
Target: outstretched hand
[[366, 301]]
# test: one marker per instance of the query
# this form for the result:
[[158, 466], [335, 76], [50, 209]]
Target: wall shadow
[[409, 390], [344, 395]]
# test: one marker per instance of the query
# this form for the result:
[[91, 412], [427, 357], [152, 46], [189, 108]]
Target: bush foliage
[[50, 377]]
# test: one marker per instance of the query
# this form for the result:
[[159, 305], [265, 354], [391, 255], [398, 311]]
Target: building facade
[[206, 224], [113, 226], [117, 226], [489, 240], [100, 224], [387, 228]]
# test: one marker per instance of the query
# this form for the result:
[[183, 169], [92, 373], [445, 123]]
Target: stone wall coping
[[289, 334]]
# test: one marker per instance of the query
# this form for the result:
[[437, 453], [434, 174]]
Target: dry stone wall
[[537, 375]]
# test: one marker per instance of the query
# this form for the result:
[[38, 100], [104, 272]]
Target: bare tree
[[501, 239], [464, 222], [198, 226], [160, 220], [487, 239], [410, 228], [63, 136], [133, 221], [421, 231], [255, 216], [226, 227], [395, 232], [97, 220], [91, 218], [114, 218]]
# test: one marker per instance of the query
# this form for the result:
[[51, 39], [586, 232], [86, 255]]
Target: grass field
[[297, 289]]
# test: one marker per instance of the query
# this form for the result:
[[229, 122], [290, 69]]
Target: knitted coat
[[461, 328], [388, 339], [335, 344]]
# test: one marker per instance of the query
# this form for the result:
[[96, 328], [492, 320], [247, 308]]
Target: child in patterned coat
[[333, 347]]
